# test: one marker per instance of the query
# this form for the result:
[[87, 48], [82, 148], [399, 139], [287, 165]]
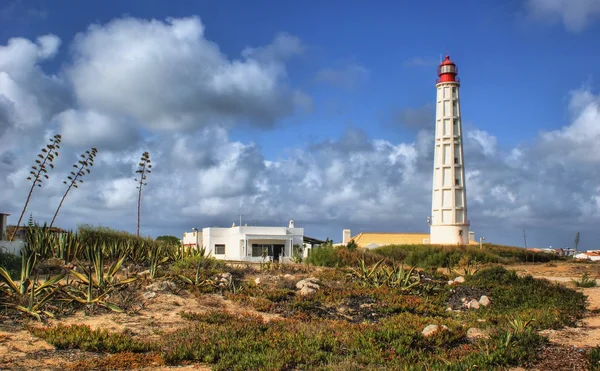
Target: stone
[[288, 276], [449, 309], [161, 286], [432, 330], [149, 295], [305, 290], [257, 280], [459, 279], [484, 300], [310, 282], [451, 282], [475, 333], [464, 300], [473, 304]]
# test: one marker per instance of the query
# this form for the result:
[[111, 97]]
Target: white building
[[448, 221], [249, 243]]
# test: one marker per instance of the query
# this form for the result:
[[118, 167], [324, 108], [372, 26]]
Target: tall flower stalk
[[145, 168], [83, 168], [39, 171]]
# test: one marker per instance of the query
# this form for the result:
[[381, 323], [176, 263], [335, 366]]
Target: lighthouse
[[448, 221]]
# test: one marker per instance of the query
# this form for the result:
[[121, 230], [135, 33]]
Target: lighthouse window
[[457, 182], [454, 95], [460, 232], [456, 160]]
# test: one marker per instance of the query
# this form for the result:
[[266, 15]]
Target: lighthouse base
[[449, 234]]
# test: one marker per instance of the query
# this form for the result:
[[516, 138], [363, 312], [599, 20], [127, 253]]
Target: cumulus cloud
[[203, 177], [347, 77], [167, 75], [93, 129], [574, 14]]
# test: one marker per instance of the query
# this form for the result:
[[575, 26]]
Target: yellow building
[[371, 240]]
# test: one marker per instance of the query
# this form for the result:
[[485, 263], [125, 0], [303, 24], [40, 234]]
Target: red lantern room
[[447, 71]]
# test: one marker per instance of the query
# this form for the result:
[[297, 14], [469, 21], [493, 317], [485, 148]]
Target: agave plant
[[37, 294], [97, 284], [380, 275], [28, 260], [156, 257]]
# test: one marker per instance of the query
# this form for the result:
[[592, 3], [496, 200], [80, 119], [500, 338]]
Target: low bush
[[552, 304], [585, 281], [83, 337]]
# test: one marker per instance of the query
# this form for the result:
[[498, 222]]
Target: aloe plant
[[28, 260], [145, 168]]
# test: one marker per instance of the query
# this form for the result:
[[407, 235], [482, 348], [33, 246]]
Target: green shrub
[[594, 358], [83, 337], [585, 281], [552, 304], [323, 256]]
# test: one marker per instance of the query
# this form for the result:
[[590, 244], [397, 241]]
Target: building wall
[[191, 238], [235, 238]]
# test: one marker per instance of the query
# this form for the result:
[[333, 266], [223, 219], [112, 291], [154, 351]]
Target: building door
[[277, 251]]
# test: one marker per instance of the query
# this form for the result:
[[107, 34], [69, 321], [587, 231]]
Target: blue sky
[[352, 74]]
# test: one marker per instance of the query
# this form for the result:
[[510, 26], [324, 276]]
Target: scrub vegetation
[[363, 309]]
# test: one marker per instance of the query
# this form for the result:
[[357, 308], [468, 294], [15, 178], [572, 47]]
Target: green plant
[[39, 171], [145, 168], [83, 167], [381, 275], [594, 358], [297, 252], [97, 284], [156, 257], [34, 294], [83, 337], [585, 281]]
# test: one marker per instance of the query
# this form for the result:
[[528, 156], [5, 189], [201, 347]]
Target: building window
[[454, 93], [456, 160], [457, 182], [259, 250], [460, 232], [219, 249]]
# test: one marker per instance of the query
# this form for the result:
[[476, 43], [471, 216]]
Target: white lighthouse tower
[[448, 221]]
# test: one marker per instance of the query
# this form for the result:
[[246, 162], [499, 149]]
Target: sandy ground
[[19, 350]]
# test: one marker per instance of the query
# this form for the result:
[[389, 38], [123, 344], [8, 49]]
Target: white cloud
[[92, 129], [167, 75], [574, 14]]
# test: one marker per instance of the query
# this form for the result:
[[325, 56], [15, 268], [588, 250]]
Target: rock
[[310, 282], [432, 330], [474, 333], [473, 304], [305, 290], [449, 309], [161, 286], [149, 295], [451, 282], [484, 300], [257, 280], [463, 300], [459, 279], [288, 276], [144, 273]]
